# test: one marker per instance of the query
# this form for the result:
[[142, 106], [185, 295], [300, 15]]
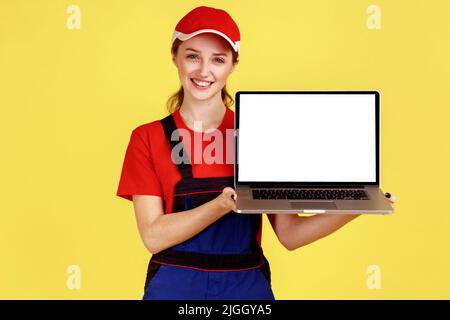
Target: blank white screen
[[307, 138]]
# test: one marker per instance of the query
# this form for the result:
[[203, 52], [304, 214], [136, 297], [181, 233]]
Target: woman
[[182, 191]]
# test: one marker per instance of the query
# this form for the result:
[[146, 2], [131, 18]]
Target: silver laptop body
[[308, 152]]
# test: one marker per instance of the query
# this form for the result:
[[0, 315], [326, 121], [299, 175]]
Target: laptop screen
[[307, 137]]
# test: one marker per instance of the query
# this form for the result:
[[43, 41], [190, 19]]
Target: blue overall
[[223, 261]]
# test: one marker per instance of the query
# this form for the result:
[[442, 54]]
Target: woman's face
[[204, 63]]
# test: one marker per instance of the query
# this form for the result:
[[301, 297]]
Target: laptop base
[[376, 204]]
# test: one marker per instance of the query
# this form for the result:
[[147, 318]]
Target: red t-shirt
[[149, 170]]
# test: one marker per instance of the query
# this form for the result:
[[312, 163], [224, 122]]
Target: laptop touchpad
[[313, 205]]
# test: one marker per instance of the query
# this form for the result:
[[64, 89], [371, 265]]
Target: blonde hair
[[175, 100]]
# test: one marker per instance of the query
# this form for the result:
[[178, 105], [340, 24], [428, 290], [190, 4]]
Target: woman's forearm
[[171, 229], [305, 230]]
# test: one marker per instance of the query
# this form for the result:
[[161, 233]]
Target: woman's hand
[[392, 199], [227, 199]]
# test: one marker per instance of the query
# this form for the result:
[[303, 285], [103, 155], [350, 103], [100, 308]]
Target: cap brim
[[184, 37]]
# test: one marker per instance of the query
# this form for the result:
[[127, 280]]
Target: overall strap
[[170, 128]]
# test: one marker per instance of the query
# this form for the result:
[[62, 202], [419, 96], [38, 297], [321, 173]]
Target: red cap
[[208, 20]]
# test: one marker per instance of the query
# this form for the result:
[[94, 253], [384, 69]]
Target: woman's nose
[[204, 69]]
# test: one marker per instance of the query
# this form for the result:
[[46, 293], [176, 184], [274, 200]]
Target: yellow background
[[70, 98]]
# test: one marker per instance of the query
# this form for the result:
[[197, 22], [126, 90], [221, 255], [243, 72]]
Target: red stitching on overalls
[[211, 270], [183, 194]]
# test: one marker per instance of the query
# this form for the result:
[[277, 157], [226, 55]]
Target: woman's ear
[[174, 61]]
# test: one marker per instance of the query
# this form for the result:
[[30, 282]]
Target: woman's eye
[[193, 56]]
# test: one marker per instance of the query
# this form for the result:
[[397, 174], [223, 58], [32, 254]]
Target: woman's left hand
[[392, 198]]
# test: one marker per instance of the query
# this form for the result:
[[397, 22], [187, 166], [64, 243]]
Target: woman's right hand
[[227, 199]]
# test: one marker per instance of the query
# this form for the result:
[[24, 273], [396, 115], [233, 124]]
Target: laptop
[[308, 152]]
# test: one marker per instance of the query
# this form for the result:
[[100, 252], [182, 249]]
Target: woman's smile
[[201, 85]]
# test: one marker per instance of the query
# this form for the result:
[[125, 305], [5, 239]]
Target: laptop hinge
[[278, 186]]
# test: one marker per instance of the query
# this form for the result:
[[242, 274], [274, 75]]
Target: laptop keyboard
[[310, 194]]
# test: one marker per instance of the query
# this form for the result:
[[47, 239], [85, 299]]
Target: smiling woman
[[201, 248], [185, 211]]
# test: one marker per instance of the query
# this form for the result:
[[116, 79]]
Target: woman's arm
[[160, 231], [295, 231]]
